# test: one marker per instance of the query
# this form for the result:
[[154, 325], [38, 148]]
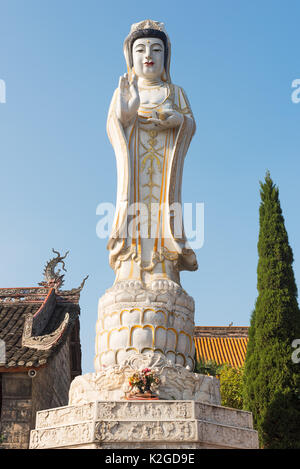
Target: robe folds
[[148, 227]]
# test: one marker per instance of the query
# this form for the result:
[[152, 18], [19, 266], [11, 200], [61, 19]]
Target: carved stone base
[[143, 424], [177, 382], [138, 318]]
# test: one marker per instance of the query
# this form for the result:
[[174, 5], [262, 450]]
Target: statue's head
[[147, 50]]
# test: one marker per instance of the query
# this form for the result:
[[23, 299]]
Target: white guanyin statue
[[146, 317]]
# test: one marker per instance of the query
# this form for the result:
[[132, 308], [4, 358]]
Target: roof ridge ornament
[[82, 284], [52, 278]]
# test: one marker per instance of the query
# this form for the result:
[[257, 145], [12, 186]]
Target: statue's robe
[[149, 169]]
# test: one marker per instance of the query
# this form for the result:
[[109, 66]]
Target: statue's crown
[[148, 24]]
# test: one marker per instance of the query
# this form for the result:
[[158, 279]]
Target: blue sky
[[61, 61]]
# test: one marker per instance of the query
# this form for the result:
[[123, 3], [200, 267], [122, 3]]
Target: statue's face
[[148, 57]]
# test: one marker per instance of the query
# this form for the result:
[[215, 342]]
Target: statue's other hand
[[157, 122], [166, 121]]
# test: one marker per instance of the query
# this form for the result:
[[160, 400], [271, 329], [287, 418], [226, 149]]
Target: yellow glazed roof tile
[[231, 350]]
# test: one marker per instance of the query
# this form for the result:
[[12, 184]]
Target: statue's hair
[[142, 33]]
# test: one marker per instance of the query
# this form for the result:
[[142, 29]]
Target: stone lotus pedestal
[[137, 318]]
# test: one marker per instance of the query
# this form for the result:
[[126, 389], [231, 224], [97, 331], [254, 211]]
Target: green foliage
[[231, 386], [209, 367], [271, 379]]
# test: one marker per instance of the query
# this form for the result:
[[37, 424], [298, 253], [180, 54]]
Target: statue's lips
[[148, 64]]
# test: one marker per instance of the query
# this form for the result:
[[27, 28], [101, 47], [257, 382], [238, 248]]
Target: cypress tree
[[271, 379]]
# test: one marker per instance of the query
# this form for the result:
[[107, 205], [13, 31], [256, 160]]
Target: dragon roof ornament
[[53, 278]]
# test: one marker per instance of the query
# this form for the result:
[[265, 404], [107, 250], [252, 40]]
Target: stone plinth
[[140, 424]]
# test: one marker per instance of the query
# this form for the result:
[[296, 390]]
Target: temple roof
[[221, 344], [35, 322]]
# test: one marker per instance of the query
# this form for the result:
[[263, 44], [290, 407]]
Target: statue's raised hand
[[124, 86], [128, 100], [134, 102]]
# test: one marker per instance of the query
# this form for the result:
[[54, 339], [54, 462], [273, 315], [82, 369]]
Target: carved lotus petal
[[171, 356], [130, 317], [183, 344], [111, 320], [142, 336], [160, 337], [102, 341], [156, 318], [171, 339], [179, 359], [108, 358], [118, 338], [123, 355]]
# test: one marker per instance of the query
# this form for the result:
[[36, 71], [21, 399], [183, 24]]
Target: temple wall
[[23, 396], [50, 387], [16, 410]]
